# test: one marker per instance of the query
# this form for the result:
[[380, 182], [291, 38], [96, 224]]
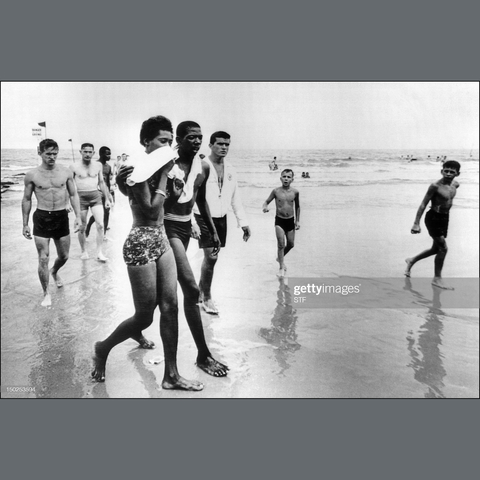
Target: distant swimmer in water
[[50, 182], [307, 175], [273, 164], [287, 218], [440, 194]]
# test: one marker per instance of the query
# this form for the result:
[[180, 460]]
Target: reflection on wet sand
[[282, 334], [149, 380], [53, 373], [426, 357]]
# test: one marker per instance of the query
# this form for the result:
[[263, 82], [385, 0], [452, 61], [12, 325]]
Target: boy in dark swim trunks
[[441, 194], [287, 201]]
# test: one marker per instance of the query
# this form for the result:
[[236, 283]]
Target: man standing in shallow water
[[50, 182], [89, 180], [221, 193]]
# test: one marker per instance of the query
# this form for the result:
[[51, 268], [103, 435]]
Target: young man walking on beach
[[90, 186], [105, 155], [50, 182], [287, 218], [185, 186], [440, 194], [221, 192]]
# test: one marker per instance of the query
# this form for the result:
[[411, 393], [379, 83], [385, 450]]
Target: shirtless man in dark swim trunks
[[179, 229], [287, 201], [50, 182], [441, 194]]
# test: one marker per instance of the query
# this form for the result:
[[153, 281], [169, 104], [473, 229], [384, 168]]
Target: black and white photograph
[[238, 240]]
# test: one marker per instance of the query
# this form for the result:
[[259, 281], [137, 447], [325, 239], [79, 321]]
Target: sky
[[258, 115]]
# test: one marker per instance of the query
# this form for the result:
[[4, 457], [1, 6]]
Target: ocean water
[[327, 168]]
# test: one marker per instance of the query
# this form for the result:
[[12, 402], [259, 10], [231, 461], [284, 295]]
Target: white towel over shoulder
[[177, 172], [147, 164]]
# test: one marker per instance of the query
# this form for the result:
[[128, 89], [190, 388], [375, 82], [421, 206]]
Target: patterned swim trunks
[[145, 245]]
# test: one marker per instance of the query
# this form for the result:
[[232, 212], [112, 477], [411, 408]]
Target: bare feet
[[408, 261], [144, 343], [101, 257], [181, 383], [281, 273], [212, 367], [210, 307], [84, 256], [99, 362], [438, 282], [47, 300], [56, 278]]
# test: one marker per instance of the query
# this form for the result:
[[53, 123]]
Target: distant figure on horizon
[[89, 180], [440, 194], [221, 193], [273, 164], [287, 218], [49, 182], [105, 155]]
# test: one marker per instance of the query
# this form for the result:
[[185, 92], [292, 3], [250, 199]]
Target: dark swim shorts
[[145, 245], [89, 199], [206, 239], [50, 224], [436, 223], [286, 224], [180, 230]]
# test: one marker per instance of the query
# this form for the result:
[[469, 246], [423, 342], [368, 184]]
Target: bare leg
[[106, 217], [90, 223], [43, 249], [81, 235], [280, 234], [97, 212], [439, 260], [167, 301], [63, 247], [205, 361], [206, 278], [143, 282], [290, 245], [433, 250]]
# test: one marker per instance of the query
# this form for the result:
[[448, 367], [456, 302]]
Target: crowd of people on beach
[[174, 194]]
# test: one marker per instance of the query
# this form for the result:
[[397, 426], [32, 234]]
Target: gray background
[[212, 40]]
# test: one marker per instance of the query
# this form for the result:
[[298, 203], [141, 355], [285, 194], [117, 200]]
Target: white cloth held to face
[[147, 164]]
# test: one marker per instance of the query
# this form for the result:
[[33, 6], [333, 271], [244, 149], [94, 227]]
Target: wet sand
[[273, 348]]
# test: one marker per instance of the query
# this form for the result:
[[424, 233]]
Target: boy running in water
[[287, 218], [441, 194]]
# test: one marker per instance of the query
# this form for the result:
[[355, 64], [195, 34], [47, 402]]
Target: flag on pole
[[69, 139], [43, 124]]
